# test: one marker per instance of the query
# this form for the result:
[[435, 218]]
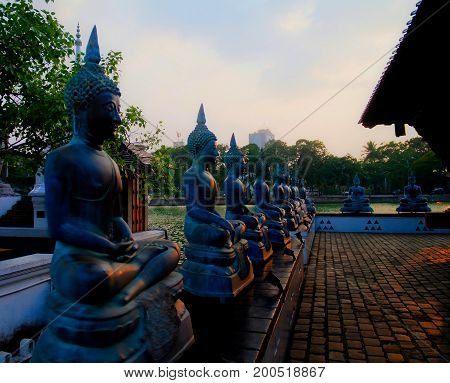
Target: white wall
[[6, 203]]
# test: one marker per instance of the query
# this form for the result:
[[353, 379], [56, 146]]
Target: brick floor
[[375, 298]]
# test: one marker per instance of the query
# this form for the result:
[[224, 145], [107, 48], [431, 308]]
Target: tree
[[35, 65], [161, 179], [370, 151]]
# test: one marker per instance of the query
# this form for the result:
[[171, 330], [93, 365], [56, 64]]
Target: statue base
[[356, 208], [155, 327], [216, 272], [259, 251], [413, 208]]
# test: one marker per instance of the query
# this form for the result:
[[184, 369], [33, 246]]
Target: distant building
[[179, 142], [261, 137]]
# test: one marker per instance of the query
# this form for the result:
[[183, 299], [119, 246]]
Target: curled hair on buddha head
[[201, 135], [234, 155], [90, 81]]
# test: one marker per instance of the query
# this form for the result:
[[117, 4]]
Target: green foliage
[[35, 65], [161, 180], [33, 71]]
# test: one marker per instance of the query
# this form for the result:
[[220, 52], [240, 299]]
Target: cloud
[[258, 63], [297, 19]]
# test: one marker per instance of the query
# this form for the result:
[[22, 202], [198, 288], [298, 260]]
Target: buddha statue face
[[412, 180], [100, 120], [240, 165], [209, 153]]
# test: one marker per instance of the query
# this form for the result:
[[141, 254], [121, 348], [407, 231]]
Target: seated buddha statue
[[102, 307], [260, 248], [216, 263], [278, 234], [357, 202], [413, 201], [281, 196], [302, 194]]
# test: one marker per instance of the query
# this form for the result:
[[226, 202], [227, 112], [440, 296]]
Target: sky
[[253, 64]]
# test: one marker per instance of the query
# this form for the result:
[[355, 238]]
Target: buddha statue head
[[412, 179], [278, 173], [234, 159], [261, 166], [356, 180], [202, 143], [92, 98]]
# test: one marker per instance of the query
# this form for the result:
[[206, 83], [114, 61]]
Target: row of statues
[[221, 251], [412, 201], [118, 300]]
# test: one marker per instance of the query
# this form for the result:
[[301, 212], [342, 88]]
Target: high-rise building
[[261, 137]]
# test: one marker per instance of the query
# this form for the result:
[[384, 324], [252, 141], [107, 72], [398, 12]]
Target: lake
[[172, 217]]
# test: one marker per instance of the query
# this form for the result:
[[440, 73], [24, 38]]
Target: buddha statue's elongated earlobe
[[75, 123]]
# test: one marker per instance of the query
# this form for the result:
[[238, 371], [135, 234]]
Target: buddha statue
[[278, 234], [260, 248], [281, 194], [217, 264], [357, 202], [413, 201], [302, 194], [114, 300]]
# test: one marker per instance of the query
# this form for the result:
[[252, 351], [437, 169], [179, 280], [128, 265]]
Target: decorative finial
[[92, 49], [78, 43], [201, 119], [233, 142]]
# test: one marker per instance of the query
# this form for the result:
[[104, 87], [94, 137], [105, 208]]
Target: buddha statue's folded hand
[[124, 248]]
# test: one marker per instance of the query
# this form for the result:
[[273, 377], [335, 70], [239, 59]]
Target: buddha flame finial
[[201, 119], [92, 49], [233, 141]]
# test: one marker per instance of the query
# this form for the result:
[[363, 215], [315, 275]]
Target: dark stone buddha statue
[[357, 202], [413, 201], [278, 234], [302, 194], [217, 264], [113, 300], [281, 195], [260, 248]]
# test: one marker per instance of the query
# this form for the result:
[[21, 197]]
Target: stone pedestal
[[38, 198], [155, 327], [217, 272]]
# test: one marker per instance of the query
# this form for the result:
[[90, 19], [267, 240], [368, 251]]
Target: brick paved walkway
[[375, 298]]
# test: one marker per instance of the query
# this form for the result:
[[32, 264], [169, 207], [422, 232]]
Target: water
[[172, 217]]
